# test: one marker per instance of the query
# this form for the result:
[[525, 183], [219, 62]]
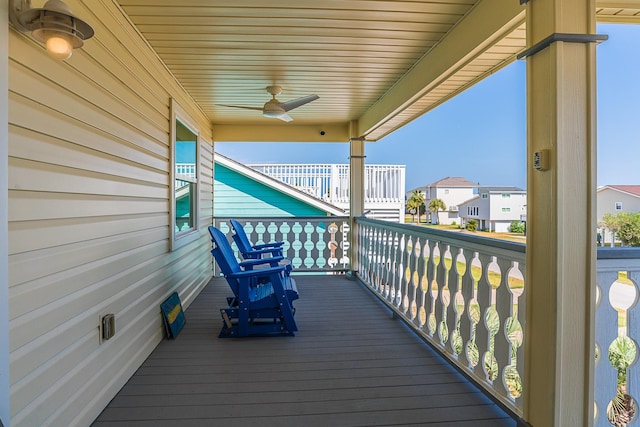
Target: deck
[[350, 364]]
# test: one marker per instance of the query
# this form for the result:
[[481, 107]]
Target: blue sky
[[481, 133]]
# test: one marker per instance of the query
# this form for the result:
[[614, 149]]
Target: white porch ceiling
[[376, 64]]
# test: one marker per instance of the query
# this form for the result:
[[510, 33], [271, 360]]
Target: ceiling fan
[[275, 109]]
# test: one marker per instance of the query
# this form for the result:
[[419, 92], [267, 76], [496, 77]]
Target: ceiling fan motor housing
[[272, 109]]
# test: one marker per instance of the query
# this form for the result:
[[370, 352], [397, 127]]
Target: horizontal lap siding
[[89, 202]]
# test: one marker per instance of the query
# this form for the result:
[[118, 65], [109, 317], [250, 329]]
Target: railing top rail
[[472, 242], [618, 253]]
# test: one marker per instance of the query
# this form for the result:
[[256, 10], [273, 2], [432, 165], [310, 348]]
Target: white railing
[[419, 272], [463, 294], [324, 181], [186, 170], [383, 184], [330, 182], [617, 374], [313, 244]]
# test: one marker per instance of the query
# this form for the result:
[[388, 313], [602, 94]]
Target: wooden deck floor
[[350, 364]]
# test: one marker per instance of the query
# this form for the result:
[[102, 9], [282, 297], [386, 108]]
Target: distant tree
[[626, 225], [611, 222], [516, 227], [435, 206], [415, 204]]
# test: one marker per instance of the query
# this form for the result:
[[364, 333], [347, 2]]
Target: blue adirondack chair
[[250, 251], [262, 294]]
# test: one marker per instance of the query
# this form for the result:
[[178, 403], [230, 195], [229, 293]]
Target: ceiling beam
[[488, 22], [281, 132]]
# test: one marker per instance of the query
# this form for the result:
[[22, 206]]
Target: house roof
[[468, 201], [496, 189], [633, 190], [277, 185], [453, 181], [489, 189]]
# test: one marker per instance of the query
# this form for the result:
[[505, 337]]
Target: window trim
[[181, 238], [617, 206]]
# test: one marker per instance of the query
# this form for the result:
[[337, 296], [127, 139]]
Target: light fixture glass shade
[[58, 45], [58, 41]]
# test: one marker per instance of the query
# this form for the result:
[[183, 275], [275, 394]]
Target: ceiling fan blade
[[285, 118], [240, 106], [295, 103]]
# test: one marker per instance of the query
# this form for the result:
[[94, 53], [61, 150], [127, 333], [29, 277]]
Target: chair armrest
[[265, 251], [269, 245], [256, 273], [250, 263]]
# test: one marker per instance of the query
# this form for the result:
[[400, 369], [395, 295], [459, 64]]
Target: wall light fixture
[[53, 25]]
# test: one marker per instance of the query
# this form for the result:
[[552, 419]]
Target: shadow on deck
[[350, 364]]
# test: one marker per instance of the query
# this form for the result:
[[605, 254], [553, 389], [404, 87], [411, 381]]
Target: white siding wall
[[606, 203], [490, 210], [607, 199], [4, 250], [451, 197], [484, 211], [515, 203], [89, 196]]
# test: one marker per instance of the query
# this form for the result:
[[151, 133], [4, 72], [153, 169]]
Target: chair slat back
[[223, 253], [242, 240]]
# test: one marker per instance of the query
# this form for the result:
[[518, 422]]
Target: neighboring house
[[452, 191], [241, 191], [495, 208], [613, 199]]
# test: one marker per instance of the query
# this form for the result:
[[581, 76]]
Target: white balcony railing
[[330, 182], [617, 373], [313, 244], [186, 170], [384, 185], [465, 295], [462, 294]]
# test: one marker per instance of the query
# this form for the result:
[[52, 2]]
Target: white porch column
[[356, 194], [4, 216], [561, 213]]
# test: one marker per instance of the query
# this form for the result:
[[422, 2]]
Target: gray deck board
[[350, 364]]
